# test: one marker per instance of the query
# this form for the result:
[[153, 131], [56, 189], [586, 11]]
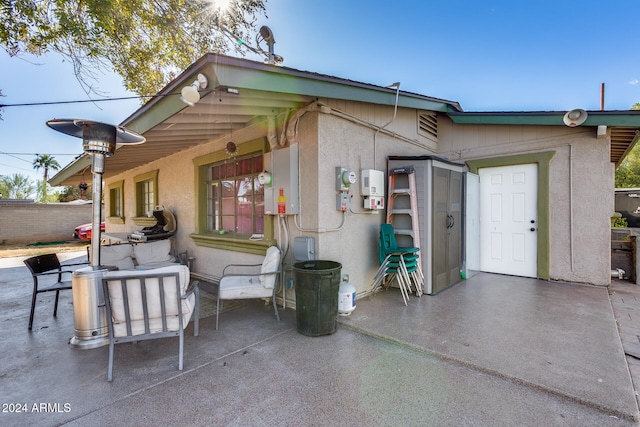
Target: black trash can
[[317, 286]]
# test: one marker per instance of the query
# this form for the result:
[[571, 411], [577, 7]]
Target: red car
[[83, 232]]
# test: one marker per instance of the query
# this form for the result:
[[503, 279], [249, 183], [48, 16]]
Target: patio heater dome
[[96, 137]]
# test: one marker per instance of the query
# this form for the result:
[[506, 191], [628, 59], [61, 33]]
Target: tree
[[70, 193], [47, 162], [16, 186], [628, 172], [145, 41]]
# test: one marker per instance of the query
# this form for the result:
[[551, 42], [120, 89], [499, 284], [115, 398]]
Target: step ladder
[[402, 186], [402, 214]]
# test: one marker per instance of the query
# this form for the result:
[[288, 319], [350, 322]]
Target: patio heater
[[99, 140]]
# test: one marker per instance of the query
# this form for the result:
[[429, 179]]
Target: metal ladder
[[410, 192], [402, 185]]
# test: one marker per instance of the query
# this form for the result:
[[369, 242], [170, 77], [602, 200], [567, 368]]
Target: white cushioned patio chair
[[244, 281], [149, 304]]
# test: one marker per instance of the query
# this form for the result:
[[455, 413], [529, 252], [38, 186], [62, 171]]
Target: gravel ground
[[8, 251]]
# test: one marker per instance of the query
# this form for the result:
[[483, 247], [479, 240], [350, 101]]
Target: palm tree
[[47, 162]]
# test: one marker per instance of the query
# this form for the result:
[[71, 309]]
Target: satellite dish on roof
[[575, 117]]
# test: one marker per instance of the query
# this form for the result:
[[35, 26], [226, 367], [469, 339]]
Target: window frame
[[223, 192], [116, 197], [230, 240], [141, 217]]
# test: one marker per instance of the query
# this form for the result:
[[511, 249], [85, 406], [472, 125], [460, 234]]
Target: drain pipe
[[618, 273]]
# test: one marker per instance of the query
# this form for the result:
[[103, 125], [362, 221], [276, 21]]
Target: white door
[[508, 220]]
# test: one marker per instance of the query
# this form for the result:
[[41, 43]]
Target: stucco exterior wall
[[326, 140], [347, 134], [177, 192], [350, 144], [581, 188]]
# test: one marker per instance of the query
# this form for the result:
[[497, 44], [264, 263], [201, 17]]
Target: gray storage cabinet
[[440, 196]]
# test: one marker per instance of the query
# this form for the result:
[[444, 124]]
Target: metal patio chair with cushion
[[243, 281], [48, 265], [149, 304]]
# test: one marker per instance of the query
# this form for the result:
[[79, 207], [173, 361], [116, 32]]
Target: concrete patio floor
[[493, 350]]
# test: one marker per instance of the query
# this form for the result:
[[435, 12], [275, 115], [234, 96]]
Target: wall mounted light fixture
[[191, 94]]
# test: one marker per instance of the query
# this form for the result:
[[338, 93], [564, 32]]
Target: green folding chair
[[401, 263]]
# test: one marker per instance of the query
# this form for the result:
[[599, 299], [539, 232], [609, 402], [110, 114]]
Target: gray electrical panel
[[282, 163]]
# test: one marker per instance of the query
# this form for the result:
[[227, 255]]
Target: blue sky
[[486, 55]]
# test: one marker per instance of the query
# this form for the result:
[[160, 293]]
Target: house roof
[[257, 90], [624, 124]]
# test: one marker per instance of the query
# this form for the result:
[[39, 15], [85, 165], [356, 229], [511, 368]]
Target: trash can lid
[[316, 265]]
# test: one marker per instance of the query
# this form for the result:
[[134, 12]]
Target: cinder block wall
[[31, 223]]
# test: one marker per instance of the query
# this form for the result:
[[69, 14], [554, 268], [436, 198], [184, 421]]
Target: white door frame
[[543, 160]]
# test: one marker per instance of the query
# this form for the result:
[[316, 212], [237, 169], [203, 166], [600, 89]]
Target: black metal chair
[[47, 265]]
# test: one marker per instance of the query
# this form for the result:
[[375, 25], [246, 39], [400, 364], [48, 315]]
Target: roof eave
[[78, 165], [243, 74], [626, 118], [239, 73]]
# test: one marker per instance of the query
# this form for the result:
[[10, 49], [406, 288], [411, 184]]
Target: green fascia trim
[[73, 168], [507, 119], [613, 120], [231, 243], [595, 118], [543, 160], [161, 110], [243, 74], [316, 86]]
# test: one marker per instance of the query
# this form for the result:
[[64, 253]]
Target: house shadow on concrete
[[494, 350]]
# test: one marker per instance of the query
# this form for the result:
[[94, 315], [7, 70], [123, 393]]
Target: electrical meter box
[[372, 183]]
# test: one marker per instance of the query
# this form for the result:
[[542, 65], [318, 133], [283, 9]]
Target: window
[[116, 202], [230, 198], [148, 197], [235, 198], [146, 186]]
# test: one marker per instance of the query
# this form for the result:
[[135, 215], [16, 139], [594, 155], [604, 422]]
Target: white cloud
[[634, 82]]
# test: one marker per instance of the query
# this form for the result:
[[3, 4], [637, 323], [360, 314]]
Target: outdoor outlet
[[345, 278]]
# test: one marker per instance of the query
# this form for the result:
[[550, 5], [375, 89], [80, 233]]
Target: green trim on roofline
[[241, 74], [166, 107], [71, 169], [630, 118], [316, 85]]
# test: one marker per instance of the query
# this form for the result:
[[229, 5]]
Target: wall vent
[[428, 124]]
